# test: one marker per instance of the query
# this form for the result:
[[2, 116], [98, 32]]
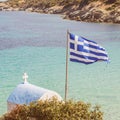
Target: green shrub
[[55, 110]]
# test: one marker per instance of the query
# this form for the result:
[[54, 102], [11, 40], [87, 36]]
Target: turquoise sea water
[[35, 43]]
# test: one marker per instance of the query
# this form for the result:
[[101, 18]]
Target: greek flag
[[85, 51]]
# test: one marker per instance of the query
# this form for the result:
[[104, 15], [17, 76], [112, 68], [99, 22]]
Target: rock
[[29, 10], [55, 9], [78, 18], [66, 17], [117, 19], [58, 11], [95, 11], [97, 14], [73, 14], [86, 16], [112, 13], [108, 18], [38, 10]]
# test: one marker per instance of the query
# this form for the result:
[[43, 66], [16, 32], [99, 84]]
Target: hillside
[[81, 10]]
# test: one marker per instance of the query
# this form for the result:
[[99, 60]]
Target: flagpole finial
[[25, 77]]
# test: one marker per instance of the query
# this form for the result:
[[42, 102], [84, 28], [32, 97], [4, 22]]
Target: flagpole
[[66, 79]]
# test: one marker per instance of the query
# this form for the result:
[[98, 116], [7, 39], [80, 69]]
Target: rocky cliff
[[81, 10]]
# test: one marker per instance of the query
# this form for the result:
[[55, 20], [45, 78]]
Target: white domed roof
[[25, 93]]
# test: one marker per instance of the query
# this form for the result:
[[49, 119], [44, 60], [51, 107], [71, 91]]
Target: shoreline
[[92, 12]]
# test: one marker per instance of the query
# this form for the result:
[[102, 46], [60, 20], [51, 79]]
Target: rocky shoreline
[[93, 12]]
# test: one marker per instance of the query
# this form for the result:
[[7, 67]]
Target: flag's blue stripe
[[95, 47], [85, 57], [97, 51], [72, 37], [89, 51], [81, 56], [92, 46], [72, 46], [88, 40], [75, 60]]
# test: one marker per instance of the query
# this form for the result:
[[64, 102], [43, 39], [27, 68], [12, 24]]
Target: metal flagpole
[[66, 81]]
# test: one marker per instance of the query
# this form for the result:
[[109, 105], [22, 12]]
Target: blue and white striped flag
[[85, 51]]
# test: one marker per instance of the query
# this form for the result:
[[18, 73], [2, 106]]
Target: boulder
[[29, 9], [108, 18], [97, 14], [117, 19], [75, 13]]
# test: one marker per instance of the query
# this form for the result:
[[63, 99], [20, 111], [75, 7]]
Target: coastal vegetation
[[55, 110], [81, 10]]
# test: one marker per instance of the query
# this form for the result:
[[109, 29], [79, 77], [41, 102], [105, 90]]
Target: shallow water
[[35, 43]]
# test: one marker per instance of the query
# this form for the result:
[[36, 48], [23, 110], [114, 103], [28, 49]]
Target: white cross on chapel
[[25, 76]]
